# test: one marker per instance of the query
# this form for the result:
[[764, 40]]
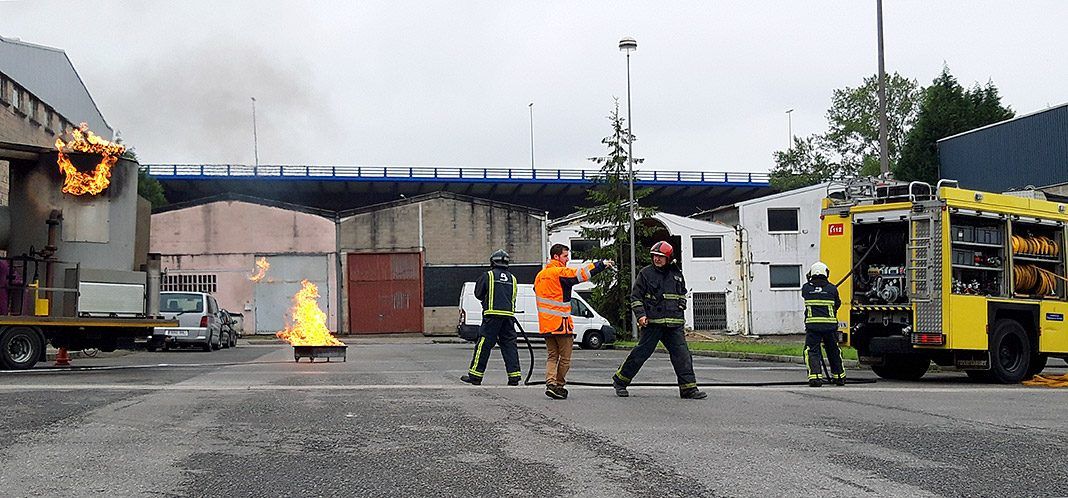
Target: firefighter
[[497, 290], [821, 325], [553, 289], [658, 300]]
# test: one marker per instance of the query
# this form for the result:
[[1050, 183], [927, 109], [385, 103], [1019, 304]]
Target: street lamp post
[[790, 127], [531, 140], [884, 158], [629, 45], [255, 140]]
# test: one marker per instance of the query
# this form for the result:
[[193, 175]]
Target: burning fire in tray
[[85, 141], [307, 324]]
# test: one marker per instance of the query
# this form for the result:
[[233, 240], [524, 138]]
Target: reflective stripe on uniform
[[688, 386], [490, 310], [515, 374], [811, 305], [668, 321], [635, 304], [584, 273], [674, 296], [550, 311], [498, 313], [550, 302]]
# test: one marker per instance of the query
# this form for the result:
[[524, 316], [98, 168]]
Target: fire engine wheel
[[20, 348], [1010, 352], [902, 367], [1038, 364]]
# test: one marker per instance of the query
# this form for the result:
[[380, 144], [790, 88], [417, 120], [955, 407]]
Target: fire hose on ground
[[530, 372]]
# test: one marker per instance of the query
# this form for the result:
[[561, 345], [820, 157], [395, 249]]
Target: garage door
[[274, 294], [385, 293]]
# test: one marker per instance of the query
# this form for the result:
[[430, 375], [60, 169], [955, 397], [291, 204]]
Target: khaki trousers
[[559, 362]]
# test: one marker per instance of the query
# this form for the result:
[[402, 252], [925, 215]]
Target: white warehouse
[[707, 253], [780, 238]]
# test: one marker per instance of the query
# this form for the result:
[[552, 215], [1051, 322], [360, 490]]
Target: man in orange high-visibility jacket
[[553, 289]]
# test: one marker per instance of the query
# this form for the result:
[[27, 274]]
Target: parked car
[[238, 323], [592, 330], [229, 335], [198, 319]]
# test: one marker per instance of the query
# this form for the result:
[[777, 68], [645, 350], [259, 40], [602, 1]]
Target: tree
[[946, 109], [608, 222], [850, 147]]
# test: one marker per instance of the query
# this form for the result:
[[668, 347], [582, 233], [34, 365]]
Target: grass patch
[[781, 349]]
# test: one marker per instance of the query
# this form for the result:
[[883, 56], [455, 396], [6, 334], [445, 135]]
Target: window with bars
[[189, 282]]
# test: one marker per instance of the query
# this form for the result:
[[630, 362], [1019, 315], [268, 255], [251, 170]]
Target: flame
[[76, 182], [261, 270], [308, 324]]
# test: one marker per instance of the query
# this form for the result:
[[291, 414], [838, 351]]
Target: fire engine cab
[[962, 278]]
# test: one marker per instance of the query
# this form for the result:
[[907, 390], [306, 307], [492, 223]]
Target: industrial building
[[1029, 150]]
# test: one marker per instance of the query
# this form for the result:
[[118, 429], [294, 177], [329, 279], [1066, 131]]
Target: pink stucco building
[[212, 245]]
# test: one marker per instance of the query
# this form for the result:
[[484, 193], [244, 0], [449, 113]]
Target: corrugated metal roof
[[50, 76]]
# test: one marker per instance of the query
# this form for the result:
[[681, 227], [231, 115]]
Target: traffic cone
[[62, 358]]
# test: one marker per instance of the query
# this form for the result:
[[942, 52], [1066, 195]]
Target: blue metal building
[[1026, 150]]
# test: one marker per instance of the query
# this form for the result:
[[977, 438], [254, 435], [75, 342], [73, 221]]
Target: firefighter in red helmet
[[658, 300]]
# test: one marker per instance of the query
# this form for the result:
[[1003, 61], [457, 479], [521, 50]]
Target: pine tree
[[946, 109], [607, 221]]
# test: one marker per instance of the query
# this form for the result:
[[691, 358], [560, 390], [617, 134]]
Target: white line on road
[[449, 387]]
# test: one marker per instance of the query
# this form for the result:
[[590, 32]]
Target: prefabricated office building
[[400, 265]]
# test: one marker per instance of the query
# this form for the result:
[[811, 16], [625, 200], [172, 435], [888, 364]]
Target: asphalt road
[[394, 421]]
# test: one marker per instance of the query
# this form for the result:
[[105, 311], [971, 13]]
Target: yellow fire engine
[[957, 277]]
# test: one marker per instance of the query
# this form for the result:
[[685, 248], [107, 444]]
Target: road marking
[[453, 387]]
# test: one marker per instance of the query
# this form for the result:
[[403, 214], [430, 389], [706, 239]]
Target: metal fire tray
[[313, 352]]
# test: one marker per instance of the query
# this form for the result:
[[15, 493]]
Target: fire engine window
[[707, 247], [785, 276], [782, 220], [580, 248]]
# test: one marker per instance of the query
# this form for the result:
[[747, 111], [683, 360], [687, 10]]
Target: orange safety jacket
[[552, 288]]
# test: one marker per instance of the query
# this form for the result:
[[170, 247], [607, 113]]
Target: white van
[[592, 330]]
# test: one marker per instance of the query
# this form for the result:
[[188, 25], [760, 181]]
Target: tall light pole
[[884, 158], [628, 45], [790, 127], [255, 140], [531, 139]]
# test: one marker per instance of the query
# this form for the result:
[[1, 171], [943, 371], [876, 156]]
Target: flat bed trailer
[[23, 339]]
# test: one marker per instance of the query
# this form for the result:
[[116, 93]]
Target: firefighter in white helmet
[[821, 325]]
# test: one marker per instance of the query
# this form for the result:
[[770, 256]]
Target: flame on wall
[[306, 325], [261, 270], [79, 183]]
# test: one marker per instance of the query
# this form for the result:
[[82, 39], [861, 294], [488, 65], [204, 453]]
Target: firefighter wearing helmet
[[821, 325], [497, 290], [658, 300]]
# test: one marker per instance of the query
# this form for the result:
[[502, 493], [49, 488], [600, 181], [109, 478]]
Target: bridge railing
[[437, 173]]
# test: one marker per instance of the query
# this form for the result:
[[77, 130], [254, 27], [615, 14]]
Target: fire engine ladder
[[920, 269]]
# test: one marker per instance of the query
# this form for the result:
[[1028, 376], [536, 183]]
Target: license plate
[[177, 333]]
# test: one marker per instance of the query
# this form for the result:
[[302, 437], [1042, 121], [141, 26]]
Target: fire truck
[[75, 271], [961, 278]]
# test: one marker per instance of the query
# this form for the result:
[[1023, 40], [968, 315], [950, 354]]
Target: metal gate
[[274, 294], [709, 311], [385, 293]]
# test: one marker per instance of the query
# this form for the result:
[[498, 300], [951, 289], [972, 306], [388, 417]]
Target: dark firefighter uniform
[[659, 294], [821, 327], [497, 291]]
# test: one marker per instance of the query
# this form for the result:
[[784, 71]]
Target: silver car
[[199, 325]]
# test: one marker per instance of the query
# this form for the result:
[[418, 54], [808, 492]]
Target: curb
[[763, 357]]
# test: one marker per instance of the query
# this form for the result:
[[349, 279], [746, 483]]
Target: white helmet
[[819, 269]]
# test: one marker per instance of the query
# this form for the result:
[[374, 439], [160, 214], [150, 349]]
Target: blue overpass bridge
[[558, 191]]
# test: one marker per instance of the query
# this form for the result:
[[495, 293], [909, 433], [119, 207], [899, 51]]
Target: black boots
[[839, 382], [621, 390], [471, 379], [513, 381], [692, 393], [815, 382]]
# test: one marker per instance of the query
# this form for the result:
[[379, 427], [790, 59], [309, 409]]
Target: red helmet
[[662, 248]]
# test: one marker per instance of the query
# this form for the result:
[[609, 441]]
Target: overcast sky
[[448, 83]]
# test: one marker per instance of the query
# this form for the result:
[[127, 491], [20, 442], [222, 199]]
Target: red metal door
[[385, 293]]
